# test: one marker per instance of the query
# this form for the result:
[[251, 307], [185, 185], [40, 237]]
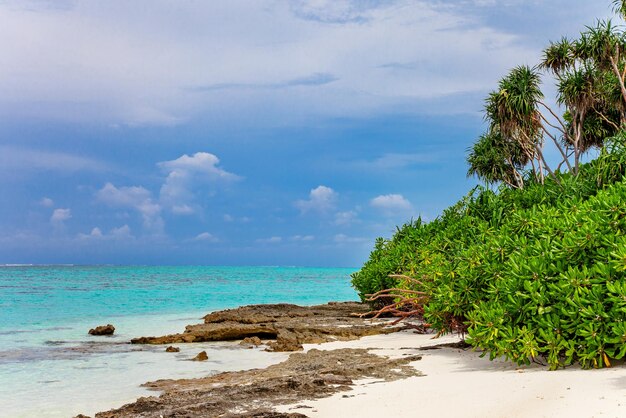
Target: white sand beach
[[458, 383]]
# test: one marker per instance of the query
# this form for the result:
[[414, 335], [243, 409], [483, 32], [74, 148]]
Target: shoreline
[[459, 382], [447, 382], [455, 382]]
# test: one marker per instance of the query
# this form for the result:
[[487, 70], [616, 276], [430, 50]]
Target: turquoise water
[[45, 296], [47, 357]]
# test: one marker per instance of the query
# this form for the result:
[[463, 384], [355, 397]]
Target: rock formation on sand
[[251, 342], [254, 393], [202, 356], [288, 326], [102, 330]]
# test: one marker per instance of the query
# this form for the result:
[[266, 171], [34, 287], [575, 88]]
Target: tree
[[604, 47], [590, 75], [513, 111], [494, 160], [619, 6]]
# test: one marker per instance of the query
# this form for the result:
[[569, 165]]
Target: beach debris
[[172, 349], [289, 326], [251, 342], [202, 356], [102, 330]]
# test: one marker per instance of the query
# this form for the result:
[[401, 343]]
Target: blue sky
[[245, 132]]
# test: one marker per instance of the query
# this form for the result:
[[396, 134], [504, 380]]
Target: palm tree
[[577, 92], [619, 6], [514, 111], [604, 46], [587, 85], [559, 57], [590, 74], [493, 160]]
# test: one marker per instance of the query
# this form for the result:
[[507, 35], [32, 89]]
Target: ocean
[[51, 367]]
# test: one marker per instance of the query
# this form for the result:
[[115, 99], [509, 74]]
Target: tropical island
[[142, 276], [528, 270]]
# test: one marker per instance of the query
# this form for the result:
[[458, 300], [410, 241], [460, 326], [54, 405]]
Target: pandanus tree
[[494, 160], [590, 75], [516, 122], [619, 6], [589, 72], [604, 46]]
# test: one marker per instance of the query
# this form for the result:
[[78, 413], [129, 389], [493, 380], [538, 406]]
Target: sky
[[265, 132]]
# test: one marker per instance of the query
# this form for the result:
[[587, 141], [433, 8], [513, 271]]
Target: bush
[[536, 272]]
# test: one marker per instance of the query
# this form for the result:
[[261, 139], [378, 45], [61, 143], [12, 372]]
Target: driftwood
[[406, 303]]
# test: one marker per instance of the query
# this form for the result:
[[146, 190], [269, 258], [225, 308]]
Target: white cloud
[[303, 238], [206, 237], [187, 173], [59, 216], [321, 199], [203, 163], [46, 202], [345, 239], [390, 52], [123, 232], [96, 232], [182, 210], [230, 218], [345, 218], [137, 198], [270, 240], [392, 204]]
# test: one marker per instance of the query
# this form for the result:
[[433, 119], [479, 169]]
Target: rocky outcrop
[[172, 349], [251, 342], [254, 393], [102, 330], [289, 326]]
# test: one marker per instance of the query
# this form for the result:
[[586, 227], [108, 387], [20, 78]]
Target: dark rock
[[172, 349], [102, 330], [202, 356]]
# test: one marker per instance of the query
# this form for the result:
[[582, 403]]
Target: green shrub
[[527, 273]]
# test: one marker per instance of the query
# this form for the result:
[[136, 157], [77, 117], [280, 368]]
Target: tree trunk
[[619, 77], [545, 164], [553, 138]]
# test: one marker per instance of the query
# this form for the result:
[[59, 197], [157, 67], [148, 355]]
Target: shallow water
[[50, 367]]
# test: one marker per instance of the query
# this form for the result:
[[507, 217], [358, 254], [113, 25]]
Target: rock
[[172, 349], [251, 341], [102, 330], [202, 356], [289, 325], [81, 416], [252, 393]]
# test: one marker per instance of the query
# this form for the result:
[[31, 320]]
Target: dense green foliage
[[536, 268], [527, 273]]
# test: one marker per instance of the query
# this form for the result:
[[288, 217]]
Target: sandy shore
[[459, 383], [402, 374]]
